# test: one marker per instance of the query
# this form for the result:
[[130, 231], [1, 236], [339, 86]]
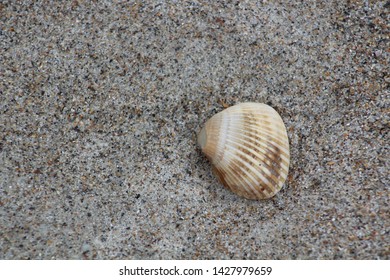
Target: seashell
[[247, 145]]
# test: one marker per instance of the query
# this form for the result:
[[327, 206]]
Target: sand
[[101, 103]]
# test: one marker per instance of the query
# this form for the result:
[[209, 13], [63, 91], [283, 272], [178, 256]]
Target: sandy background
[[100, 105]]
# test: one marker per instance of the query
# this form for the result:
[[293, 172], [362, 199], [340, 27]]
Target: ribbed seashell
[[247, 145]]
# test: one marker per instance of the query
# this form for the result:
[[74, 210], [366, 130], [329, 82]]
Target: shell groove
[[248, 147]]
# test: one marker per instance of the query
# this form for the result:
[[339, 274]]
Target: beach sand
[[100, 106]]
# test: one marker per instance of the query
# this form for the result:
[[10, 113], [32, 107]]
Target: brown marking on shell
[[269, 178], [253, 146], [238, 168], [272, 155], [254, 164], [246, 170], [276, 161], [221, 176], [271, 140]]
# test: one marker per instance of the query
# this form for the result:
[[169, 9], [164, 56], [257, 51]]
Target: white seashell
[[247, 145]]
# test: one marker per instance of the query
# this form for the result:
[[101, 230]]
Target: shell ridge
[[262, 133], [254, 119], [236, 176], [263, 130], [250, 183], [220, 160], [261, 151], [266, 129], [259, 155], [257, 137], [266, 179], [249, 170], [260, 147], [258, 161]]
